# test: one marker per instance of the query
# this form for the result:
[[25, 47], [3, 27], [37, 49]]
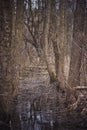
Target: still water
[[40, 108], [33, 114], [38, 120]]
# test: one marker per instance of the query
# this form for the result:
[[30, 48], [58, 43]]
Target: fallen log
[[81, 87]]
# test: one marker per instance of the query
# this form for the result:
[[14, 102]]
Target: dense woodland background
[[50, 32]]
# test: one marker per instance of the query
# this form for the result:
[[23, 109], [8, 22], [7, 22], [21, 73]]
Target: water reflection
[[34, 109], [29, 118], [37, 123]]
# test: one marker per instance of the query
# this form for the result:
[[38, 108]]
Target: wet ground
[[38, 105]]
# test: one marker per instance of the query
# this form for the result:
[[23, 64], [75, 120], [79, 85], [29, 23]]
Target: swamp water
[[39, 106]]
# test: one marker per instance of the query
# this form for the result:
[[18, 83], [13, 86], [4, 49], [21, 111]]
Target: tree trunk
[[6, 83], [46, 38], [76, 50], [19, 35], [69, 36], [62, 42], [54, 36], [83, 68]]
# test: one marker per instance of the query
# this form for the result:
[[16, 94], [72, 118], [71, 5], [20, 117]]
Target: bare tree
[[5, 56], [83, 67], [19, 33], [62, 41], [77, 45]]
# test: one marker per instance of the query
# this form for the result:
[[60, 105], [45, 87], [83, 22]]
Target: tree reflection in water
[[31, 119]]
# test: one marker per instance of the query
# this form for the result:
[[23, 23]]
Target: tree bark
[[76, 50], [62, 42], [19, 35], [83, 67], [46, 38], [54, 35], [6, 83]]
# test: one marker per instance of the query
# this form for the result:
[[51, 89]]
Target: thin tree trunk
[[54, 36], [62, 42], [69, 36], [76, 52], [19, 34], [46, 38], [46, 28], [83, 68]]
